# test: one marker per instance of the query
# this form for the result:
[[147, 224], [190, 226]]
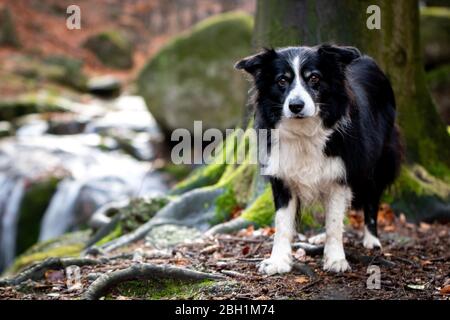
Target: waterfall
[[12, 193], [58, 217]]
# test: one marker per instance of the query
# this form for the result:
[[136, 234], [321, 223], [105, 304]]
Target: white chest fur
[[297, 157]]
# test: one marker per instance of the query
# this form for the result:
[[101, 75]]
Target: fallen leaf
[[424, 227], [54, 275], [301, 279], [445, 290], [245, 250]]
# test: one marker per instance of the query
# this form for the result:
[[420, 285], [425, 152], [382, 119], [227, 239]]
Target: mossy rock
[[112, 48], [67, 71], [68, 245], [41, 102], [439, 83], [435, 35], [35, 202], [8, 33], [419, 195], [192, 77]]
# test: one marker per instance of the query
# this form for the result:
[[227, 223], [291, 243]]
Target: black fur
[[350, 85]]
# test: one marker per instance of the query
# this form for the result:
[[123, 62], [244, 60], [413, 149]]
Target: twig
[[143, 272]]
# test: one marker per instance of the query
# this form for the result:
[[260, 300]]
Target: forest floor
[[414, 264]]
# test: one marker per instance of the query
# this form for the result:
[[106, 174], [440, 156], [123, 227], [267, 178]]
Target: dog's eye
[[282, 82], [314, 78]]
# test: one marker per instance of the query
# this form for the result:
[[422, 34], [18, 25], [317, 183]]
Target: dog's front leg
[[336, 205], [286, 206]]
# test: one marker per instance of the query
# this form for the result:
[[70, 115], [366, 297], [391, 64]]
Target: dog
[[337, 140]]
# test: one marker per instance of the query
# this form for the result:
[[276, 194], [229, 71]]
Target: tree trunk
[[396, 48]]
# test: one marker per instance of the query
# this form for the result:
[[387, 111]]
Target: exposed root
[[194, 208], [144, 272], [37, 271], [229, 226]]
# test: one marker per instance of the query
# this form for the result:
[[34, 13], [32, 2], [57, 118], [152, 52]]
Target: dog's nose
[[296, 107]]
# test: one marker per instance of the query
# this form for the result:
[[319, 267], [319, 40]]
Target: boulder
[[192, 77], [105, 86], [435, 35], [112, 48]]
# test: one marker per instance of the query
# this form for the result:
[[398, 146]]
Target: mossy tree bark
[[396, 47]]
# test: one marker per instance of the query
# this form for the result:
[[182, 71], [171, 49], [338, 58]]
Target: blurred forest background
[[86, 117]]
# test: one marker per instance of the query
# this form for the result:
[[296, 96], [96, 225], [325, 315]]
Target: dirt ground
[[414, 264]]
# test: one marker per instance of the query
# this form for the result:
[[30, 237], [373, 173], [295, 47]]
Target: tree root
[[37, 271], [143, 272], [194, 208], [229, 226]]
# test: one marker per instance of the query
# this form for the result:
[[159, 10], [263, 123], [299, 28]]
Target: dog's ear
[[253, 64], [342, 54]]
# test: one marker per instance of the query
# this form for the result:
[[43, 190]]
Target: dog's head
[[301, 82]]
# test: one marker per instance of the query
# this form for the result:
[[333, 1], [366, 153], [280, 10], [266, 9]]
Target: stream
[[98, 153]]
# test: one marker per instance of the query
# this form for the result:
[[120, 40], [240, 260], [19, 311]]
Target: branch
[[143, 272]]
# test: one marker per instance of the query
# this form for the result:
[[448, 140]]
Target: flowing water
[[90, 164]]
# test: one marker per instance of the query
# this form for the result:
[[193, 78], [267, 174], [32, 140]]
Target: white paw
[[318, 239], [370, 241], [275, 265], [339, 265]]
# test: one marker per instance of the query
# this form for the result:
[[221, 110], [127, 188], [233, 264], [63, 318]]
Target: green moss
[[112, 48], [163, 289], [140, 211], [60, 251], [178, 172], [117, 232], [225, 204], [417, 193], [262, 210], [13, 108], [34, 204]]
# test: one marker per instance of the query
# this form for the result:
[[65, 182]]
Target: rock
[[105, 86], [435, 35], [68, 245], [40, 102], [112, 48], [8, 33], [439, 83], [192, 78], [168, 235], [34, 204], [67, 71], [5, 129]]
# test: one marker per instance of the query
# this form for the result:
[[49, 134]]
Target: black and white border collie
[[337, 141]]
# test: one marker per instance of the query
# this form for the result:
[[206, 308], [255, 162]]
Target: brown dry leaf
[[386, 216], [268, 231], [424, 227], [356, 219], [445, 290], [248, 232], [236, 212], [301, 279], [245, 250], [54, 275]]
